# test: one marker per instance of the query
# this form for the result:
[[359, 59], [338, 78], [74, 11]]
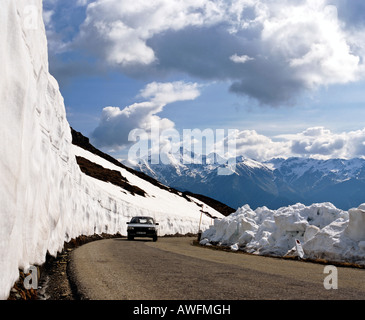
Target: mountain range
[[275, 183]]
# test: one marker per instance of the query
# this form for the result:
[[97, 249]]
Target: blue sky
[[287, 75]]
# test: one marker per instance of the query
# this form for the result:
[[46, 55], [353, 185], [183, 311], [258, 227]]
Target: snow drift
[[45, 198], [324, 231]]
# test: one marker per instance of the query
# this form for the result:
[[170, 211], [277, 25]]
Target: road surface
[[174, 269]]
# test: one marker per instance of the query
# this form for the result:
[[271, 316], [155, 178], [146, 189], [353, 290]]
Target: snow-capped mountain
[[338, 181], [275, 183]]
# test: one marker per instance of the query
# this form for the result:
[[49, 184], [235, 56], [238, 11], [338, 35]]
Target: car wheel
[[154, 238], [130, 238]]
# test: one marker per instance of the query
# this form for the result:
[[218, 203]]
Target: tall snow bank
[[356, 227], [34, 160], [324, 231], [45, 199]]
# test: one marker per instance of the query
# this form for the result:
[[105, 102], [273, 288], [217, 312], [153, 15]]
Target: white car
[[142, 226]]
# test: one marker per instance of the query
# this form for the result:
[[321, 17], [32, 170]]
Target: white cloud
[[116, 124], [124, 27], [319, 142], [253, 145], [240, 59], [313, 40], [302, 45], [316, 142], [164, 93], [292, 46]]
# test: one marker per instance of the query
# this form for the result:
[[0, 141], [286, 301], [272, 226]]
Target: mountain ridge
[[274, 183]]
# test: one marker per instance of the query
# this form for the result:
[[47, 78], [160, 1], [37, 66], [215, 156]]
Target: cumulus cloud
[[319, 142], [301, 47], [253, 145], [124, 27], [116, 124], [315, 142], [272, 50]]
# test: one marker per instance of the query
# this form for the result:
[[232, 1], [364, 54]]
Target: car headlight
[[151, 228], [130, 228]]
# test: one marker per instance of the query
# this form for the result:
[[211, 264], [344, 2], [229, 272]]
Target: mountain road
[[174, 269]]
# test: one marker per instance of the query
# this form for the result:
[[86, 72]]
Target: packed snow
[[324, 232], [45, 198]]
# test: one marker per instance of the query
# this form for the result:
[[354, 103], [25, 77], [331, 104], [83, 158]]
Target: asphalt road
[[174, 269]]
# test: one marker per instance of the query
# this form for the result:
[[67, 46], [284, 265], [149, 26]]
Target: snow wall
[[324, 232], [45, 199]]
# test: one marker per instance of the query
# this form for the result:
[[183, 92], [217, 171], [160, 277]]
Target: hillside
[[83, 142]]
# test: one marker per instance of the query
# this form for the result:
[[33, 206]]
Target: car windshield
[[142, 220]]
